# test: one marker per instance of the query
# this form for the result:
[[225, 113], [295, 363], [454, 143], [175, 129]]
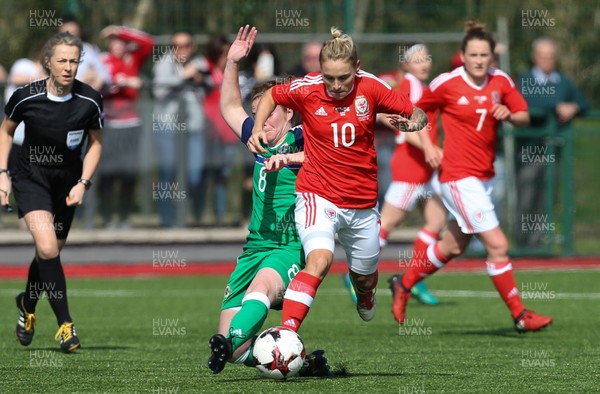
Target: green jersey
[[273, 200]]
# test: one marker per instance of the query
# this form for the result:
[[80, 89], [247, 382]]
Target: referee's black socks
[[53, 282], [33, 289]]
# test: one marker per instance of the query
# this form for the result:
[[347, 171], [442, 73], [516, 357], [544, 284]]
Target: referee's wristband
[[85, 182]]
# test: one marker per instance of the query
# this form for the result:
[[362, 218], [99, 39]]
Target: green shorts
[[287, 262]]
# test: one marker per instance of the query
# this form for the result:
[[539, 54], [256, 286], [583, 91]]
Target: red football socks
[[504, 280], [420, 268], [298, 299]]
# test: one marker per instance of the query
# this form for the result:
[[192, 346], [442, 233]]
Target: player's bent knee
[[46, 251], [364, 266], [318, 262]]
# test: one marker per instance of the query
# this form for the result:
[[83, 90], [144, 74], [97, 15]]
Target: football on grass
[[278, 353]]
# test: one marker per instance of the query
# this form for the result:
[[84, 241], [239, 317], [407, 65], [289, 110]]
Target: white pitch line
[[126, 293]]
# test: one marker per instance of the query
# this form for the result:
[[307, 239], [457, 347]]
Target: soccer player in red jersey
[[474, 99], [413, 179], [336, 189]]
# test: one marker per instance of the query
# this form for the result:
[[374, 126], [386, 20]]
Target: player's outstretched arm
[[259, 136], [277, 162], [231, 99], [418, 121]]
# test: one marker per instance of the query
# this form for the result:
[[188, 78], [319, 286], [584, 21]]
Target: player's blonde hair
[[340, 47], [60, 38], [475, 30]]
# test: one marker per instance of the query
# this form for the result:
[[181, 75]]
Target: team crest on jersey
[[496, 98], [479, 216], [331, 214], [227, 292], [283, 149], [362, 105]]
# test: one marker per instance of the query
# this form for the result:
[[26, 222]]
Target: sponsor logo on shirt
[[463, 101], [321, 112]]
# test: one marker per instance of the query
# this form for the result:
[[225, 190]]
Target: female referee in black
[[50, 178]]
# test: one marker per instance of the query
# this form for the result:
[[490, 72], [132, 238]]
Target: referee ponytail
[[60, 38]]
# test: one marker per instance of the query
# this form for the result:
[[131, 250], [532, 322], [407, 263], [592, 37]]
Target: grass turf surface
[[150, 335]]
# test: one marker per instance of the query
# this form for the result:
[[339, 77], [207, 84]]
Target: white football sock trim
[[431, 256], [428, 239], [299, 296], [493, 271], [261, 297]]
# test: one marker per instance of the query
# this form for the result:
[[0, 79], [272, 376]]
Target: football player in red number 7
[[473, 100], [336, 189]]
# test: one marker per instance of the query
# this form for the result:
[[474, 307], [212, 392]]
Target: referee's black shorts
[[46, 189]]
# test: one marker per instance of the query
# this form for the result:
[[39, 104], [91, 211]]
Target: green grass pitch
[[150, 336]]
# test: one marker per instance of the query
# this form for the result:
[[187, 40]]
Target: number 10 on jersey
[[346, 135]]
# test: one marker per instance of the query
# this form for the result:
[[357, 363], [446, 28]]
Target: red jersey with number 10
[[340, 159], [469, 128]]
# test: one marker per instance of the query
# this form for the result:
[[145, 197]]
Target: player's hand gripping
[[277, 162], [257, 140]]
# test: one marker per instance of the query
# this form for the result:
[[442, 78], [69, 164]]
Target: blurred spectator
[[127, 51], [91, 69], [262, 65], [548, 92], [181, 79], [93, 72], [3, 75], [221, 144], [310, 60], [23, 72]]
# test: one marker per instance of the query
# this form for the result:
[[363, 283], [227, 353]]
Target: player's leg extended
[[434, 214], [266, 288], [500, 270], [317, 221], [391, 218], [44, 229], [359, 240], [302, 290], [439, 253]]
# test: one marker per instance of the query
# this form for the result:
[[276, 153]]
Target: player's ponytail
[[475, 30], [339, 47]]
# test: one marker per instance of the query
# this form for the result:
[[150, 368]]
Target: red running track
[[103, 270]]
